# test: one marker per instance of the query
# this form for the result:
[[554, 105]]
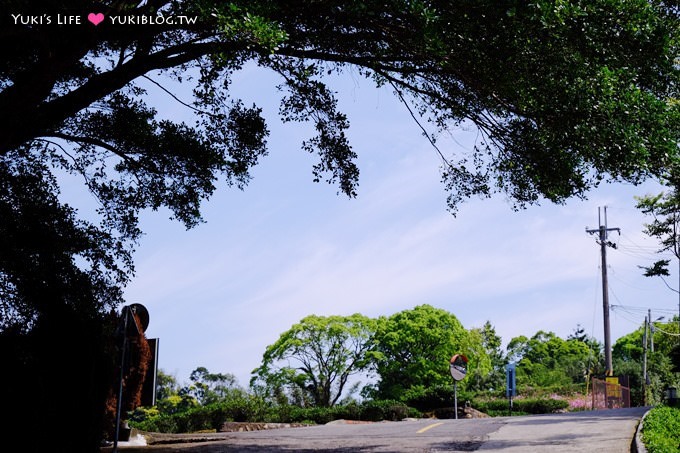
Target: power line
[[672, 334], [651, 248], [615, 276], [634, 312], [634, 308], [630, 319]]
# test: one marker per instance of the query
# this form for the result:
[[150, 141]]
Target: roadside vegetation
[[186, 415], [357, 368], [661, 430]]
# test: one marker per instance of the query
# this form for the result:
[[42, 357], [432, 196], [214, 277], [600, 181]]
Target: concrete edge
[[637, 446]]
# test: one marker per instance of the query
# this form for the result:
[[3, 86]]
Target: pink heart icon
[[95, 18]]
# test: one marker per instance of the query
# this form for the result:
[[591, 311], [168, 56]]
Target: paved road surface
[[609, 431]]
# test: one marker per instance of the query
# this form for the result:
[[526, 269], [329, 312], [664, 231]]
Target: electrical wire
[[672, 334], [642, 248], [643, 310], [636, 312], [615, 276], [626, 316]]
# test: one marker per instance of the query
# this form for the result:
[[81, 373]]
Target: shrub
[[542, 406], [144, 413], [661, 429], [201, 418], [318, 415], [445, 412], [212, 417], [287, 413], [521, 406], [379, 410], [432, 398], [197, 419], [161, 424], [245, 409], [351, 411]]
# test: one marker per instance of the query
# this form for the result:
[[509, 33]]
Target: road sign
[[458, 366], [510, 380], [613, 388]]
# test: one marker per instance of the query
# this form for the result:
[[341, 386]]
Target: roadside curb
[[637, 446], [342, 421]]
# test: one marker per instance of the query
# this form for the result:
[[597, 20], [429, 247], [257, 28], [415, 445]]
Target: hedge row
[[525, 406], [255, 410], [212, 417]]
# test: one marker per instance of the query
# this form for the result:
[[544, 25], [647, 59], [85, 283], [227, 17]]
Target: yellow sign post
[[613, 389]]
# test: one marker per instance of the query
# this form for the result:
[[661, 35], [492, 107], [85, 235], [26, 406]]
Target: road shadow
[[226, 447]]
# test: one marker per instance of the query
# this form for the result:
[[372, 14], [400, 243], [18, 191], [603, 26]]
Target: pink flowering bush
[[581, 403]]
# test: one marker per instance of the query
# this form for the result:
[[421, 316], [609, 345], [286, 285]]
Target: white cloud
[[286, 248]]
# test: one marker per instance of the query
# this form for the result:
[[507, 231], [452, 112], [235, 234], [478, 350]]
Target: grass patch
[[661, 430]]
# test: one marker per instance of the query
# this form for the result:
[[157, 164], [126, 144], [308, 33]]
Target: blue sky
[[287, 247]]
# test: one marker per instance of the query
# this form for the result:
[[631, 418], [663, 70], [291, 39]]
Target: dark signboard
[[151, 378]]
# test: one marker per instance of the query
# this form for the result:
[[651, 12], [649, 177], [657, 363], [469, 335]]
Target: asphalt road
[[609, 431]]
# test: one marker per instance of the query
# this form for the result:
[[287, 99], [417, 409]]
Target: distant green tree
[[315, 359], [166, 385], [545, 359], [628, 351], [170, 399], [664, 209], [627, 360], [596, 358], [579, 334], [491, 343], [208, 388], [414, 348]]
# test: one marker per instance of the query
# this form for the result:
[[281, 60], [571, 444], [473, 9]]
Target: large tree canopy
[[316, 357], [662, 360], [413, 348], [565, 93], [546, 359]]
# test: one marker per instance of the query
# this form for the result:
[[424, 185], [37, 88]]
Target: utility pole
[[645, 379], [603, 232], [651, 329]]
